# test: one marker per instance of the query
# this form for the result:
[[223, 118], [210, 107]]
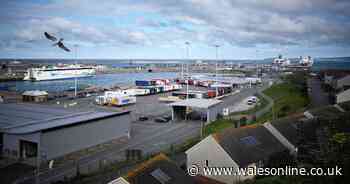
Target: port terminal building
[[32, 132], [209, 108]]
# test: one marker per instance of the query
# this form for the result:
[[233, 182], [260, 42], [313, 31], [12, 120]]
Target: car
[[167, 117], [161, 120], [143, 118], [250, 102], [254, 99]]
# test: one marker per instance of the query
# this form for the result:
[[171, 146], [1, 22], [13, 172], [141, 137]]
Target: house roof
[[197, 103], [337, 74], [157, 170], [345, 105], [248, 144], [326, 112], [35, 93], [288, 127], [119, 180], [199, 179], [30, 118]]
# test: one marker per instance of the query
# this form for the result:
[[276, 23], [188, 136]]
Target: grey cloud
[[244, 23]]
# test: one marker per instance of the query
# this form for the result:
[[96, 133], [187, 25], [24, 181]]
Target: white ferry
[[280, 61], [306, 61], [59, 72]]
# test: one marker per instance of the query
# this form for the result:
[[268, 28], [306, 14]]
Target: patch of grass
[[288, 98], [217, 126]]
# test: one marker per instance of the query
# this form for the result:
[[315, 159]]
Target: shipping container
[[141, 92], [121, 100], [144, 83], [211, 94]]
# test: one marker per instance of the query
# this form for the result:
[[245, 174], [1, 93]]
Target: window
[[249, 141], [159, 175], [28, 149]]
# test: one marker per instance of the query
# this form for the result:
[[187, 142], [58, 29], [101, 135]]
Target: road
[[317, 95]]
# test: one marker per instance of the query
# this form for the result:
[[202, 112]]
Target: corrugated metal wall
[[59, 142]]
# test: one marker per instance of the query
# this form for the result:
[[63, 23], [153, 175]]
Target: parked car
[[161, 120], [167, 117], [143, 118], [250, 102]]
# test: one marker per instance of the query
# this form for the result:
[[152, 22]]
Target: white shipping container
[[122, 100], [168, 88], [101, 100], [177, 86], [138, 92]]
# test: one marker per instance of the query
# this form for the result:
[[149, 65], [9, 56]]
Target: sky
[[158, 29]]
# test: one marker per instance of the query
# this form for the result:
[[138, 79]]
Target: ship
[[306, 61], [280, 61], [59, 72]]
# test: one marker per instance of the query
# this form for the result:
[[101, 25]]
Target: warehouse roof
[[35, 93], [198, 103], [29, 118]]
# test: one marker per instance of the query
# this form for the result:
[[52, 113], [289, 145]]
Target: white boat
[[59, 73], [306, 61], [280, 61]]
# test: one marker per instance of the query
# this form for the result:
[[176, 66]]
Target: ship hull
[[46, 75]]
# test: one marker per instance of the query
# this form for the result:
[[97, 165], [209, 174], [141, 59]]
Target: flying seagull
[[50, 37], [59, 43]]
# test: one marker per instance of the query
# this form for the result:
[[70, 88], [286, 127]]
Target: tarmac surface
[[316, 93]]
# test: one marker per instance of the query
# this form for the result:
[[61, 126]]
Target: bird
[[50, 37], [54, 39]]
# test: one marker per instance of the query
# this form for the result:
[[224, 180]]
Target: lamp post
[[216, 69], [188, 71], [76, 64]]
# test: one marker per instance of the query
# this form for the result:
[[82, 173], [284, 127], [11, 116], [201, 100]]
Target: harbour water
[[108, 80], [102, 80]]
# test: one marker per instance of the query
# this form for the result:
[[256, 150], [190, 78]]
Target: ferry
[[59, 72], [280, 61], [306, 61]]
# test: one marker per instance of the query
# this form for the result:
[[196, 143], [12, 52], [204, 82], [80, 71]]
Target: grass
[[217, 126], [288, 98]]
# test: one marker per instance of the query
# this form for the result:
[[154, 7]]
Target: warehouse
[[29, 130], [208, 107]]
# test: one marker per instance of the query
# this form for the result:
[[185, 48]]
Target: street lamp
[[76, 64], [216, 68], [188, 73]]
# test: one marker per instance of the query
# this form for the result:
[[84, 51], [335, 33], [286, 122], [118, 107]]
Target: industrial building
[[209, 108], [35, 96], [31, 130]]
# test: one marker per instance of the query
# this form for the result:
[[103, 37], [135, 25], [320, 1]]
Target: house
[[249, 146], [43, 132], [35, 96], [157, 170], [343, 96], [253, 146], [336, 80], [342, 83]]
